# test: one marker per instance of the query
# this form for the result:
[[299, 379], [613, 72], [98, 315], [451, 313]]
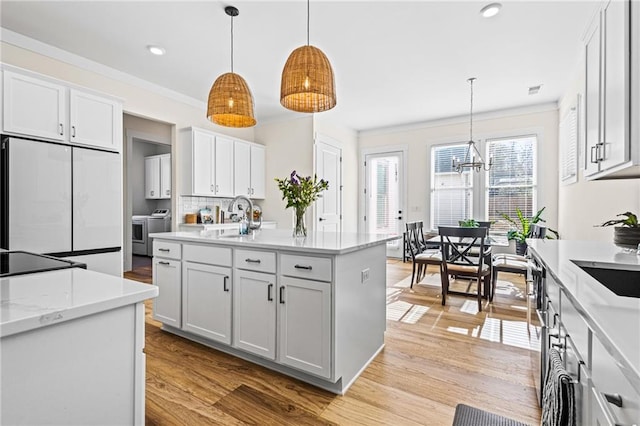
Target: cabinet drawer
[[575, 326], [254, 260], [609, 379], [166, 249], [313, 268], [207, 254]]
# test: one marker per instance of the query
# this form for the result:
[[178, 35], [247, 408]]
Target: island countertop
[[281, 239], [37, 300], [614, 319]]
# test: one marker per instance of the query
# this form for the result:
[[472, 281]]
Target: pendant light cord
[[471, 112], [232, 44], [307, 22]]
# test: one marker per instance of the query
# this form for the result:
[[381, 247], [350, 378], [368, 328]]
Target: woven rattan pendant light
[[230, 100], [307, 83]]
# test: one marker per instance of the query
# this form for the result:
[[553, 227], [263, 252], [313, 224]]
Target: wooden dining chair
[[456, 246], [419, 257]]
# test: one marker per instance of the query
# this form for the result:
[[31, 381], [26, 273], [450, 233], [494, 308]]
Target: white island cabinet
[[72, 349], [310, 308]]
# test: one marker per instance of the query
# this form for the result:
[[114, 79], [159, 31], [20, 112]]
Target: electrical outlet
[[364, 275]]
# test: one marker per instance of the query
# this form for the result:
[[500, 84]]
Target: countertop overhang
[[32, 301], [281, 239]]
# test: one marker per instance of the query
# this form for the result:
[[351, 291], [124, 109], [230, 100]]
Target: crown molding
[[27, 43]]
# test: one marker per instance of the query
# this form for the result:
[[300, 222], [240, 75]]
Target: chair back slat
[[457, 242], [412, 239]]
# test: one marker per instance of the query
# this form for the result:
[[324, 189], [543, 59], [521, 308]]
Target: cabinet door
[[254, 313], [305, 325], [257, 171], [95, 121], [167, 306], [206, 301], [592, 98], [34, 107], [241, 168], [224, 167], [616, 84], [152, 177], [203, 152], [165, 176]]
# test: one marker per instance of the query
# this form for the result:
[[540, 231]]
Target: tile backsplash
[[188, 204]]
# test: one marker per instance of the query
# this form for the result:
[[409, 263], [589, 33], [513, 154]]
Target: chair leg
[[413, 274], [479, 294], [494, 280], [444, 281]]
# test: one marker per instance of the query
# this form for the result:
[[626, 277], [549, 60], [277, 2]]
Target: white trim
[[488, 115], [27, 43]]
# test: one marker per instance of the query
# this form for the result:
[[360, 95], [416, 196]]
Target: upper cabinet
[[611, 73], [249, 169], [219, 166], [157, 176], [48, 109]]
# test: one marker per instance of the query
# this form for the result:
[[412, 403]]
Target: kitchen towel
[[558, 399]]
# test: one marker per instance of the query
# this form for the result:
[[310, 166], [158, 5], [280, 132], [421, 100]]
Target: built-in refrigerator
[[63, 201]]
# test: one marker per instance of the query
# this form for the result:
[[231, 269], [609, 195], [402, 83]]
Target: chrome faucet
[[252, 224]]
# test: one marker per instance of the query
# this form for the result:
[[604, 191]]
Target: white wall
[[542, 121], [587, 203]]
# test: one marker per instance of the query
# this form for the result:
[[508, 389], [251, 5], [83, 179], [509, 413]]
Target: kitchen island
[[596, 330], [311, 308], [72, 348]]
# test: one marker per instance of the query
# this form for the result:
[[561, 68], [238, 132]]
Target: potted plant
[[522, 229], [300, 192], [629, 233]]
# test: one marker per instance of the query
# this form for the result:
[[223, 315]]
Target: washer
[[139, 235], [158, 221]]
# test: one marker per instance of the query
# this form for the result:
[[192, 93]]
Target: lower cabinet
[[304, 314], [167, 276], [206, 301], [254, 313]]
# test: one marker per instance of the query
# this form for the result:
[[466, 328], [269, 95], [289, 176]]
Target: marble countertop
[[37, 300], [281, 239], [614, 319], [227, 225]]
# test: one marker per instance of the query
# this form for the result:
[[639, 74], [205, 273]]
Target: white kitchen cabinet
[[157, 176], [610, 152], [249, 169], [254, 313], [51, 109], [304, 321], [208, 167], [167, 307], [95, 120], [206, 301], [34, 107]]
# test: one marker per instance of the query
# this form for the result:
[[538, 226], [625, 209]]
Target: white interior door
[[329, 206], [384, 197]]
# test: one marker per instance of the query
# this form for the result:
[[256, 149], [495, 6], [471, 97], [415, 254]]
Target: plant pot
[[521, 248], [626, 236]]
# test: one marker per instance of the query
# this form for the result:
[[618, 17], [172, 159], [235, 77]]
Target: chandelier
[[472, 159]]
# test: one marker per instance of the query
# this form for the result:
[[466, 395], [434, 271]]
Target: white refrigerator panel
[[39, 196], [97, 210]]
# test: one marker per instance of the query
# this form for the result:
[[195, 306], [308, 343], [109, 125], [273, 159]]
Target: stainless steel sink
[[622, 279]]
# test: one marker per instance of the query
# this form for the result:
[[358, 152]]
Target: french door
[[384, 197]]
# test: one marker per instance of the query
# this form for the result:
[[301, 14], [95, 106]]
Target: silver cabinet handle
[[269, 297], [212, 190], [164, 249], [164, 263], [307, 267], [613, 398], [282, 294], [61, 128], [73, 131], [152, 193], [168, 191], [593, 159], [251, 191], [224, 283], [217, 188], [248, 260]]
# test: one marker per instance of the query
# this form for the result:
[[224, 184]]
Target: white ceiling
[[394, 62]]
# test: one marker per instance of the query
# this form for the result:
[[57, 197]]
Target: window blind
[[568, 133], [451, 192]]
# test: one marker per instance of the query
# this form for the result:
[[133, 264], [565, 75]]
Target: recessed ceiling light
[[490, 10], [156, 50]]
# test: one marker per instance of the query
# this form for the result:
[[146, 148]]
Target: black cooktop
[[22, 262]]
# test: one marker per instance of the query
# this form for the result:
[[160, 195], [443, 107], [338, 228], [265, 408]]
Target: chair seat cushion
[[430, 255], [468, 269], [501, 261]]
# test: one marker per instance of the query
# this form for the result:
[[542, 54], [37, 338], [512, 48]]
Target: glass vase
[[299, 223]]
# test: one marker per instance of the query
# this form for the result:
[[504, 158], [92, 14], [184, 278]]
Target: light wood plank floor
[[435, 357]]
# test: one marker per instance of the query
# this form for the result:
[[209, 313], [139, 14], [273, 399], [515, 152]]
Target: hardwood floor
[[435, 357]]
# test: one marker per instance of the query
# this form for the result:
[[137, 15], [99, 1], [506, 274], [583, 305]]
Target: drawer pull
[[269, 297], [164, 249], [614, 399], [61, 129], [282, 294], [224, 283], [249, 260], [164, 263], [307, 267]]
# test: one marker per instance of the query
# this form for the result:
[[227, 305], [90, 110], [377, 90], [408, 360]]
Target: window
[[451, 192], [512, 179]]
